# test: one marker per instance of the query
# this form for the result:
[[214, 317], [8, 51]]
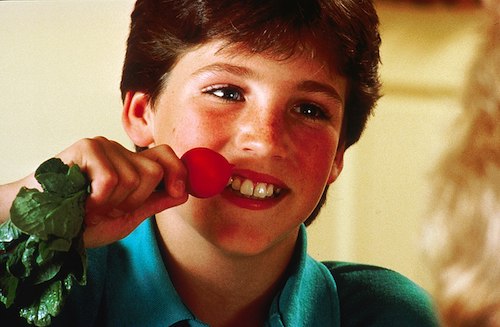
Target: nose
[[262, 132]]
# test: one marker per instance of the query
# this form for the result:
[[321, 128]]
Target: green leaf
[[8, 284], [41, 246], [51, 166], [8, 233], [29, 254], [47, 270], [30, 210], [66, 220], [59, 244], [56, 177], [14, 264], [48, 214], [49, 304]]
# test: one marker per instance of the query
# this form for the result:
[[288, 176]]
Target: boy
[[281, 89]]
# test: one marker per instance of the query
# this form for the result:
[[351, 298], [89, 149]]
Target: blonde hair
[[462, 237]]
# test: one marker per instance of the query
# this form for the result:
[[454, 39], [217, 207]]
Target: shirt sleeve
[[375, 296]]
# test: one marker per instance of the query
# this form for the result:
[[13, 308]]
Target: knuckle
[[130, 180], [87, 145], [155, 171], [165, 148], [107, 179]]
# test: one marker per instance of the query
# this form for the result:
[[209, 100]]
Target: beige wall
[[60, 67]]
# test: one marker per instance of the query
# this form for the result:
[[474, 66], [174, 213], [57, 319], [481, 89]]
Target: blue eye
[[227, 93], [311, 111]]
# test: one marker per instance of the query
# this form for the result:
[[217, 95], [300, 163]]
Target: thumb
[[157, 202], [109, 229]]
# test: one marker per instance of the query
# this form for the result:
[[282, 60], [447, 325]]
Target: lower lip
[[249, 203]]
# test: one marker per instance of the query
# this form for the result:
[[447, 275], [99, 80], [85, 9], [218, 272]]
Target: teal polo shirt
[[128, 285]]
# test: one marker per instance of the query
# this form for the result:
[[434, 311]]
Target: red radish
[[208, 172]]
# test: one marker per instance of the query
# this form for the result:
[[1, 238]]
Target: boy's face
[[277, 121]]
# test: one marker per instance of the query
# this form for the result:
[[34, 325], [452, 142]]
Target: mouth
[[254, 189]]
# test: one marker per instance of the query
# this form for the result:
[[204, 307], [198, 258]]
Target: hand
[[123, 186]]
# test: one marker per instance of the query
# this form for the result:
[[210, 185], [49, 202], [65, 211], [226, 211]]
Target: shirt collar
[[155, 302], [308, 298]]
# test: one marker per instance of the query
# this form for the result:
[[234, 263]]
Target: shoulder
[[376, 296]]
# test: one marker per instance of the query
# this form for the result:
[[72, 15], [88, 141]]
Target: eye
[[225, 92], [311, 111]]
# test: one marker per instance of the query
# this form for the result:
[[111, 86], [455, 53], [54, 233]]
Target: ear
[[338, 162], [136, 118]]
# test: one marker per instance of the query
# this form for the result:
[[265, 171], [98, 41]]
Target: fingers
[[122, 180], [123, 186], [174, 178], [127, 182]]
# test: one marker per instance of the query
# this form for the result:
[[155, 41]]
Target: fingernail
[[179, 189]]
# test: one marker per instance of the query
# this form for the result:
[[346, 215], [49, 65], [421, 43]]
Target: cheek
[[316, 160], [213, 129], [193, 130]]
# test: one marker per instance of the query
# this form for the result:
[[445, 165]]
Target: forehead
[[305, 60], [305, 51]]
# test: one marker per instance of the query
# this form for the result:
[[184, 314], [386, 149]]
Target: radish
[[208, 172]]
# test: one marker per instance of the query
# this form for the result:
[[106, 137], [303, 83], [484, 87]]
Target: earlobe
[[136, 118], [338, 163]]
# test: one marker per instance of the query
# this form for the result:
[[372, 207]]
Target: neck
[[220, 288]]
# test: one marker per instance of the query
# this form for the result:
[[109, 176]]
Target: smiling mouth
[[254, 190]]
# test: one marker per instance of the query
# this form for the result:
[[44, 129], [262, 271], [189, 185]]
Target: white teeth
[[270, 190], [246, 187], [236, 184], [259, 190]]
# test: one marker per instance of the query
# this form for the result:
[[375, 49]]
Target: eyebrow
[[318, 87], [222, 67]]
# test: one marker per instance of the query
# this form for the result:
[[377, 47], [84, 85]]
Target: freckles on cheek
[[180, 135], [317, 173], [212, 129], [317, 164], [198, 132]]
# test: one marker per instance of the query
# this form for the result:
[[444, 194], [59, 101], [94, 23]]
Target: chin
[[242, 242]]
